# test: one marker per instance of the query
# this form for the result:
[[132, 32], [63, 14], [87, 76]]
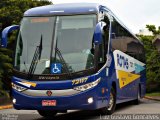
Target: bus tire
[[112, 104], [47, 113], [137, 101]]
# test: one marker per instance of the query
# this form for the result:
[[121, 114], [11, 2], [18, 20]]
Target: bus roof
[[63, 9], [69, 9]]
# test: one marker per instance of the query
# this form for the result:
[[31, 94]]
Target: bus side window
[[119, 36], [126, 42], [123, 40]]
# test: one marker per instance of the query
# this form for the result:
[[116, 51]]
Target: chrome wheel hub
[[111, 102]]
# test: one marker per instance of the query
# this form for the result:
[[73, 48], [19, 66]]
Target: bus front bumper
[[88, 100]]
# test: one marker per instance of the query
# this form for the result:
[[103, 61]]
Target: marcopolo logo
[[122, 61]]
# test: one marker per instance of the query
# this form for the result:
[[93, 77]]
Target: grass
[[153, 94]]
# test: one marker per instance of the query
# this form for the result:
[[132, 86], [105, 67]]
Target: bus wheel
[[112, 104], [137, 101], [47, 113]]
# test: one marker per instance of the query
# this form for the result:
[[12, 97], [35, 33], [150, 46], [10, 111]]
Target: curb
[[152, 98], [6, 107]]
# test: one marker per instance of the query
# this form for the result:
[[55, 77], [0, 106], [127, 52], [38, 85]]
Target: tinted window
[[124, 41]]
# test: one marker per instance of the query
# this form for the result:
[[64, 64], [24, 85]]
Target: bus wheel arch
[[114, 86], [108, 110]]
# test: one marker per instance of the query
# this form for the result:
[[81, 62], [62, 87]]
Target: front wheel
[[112, 104], [47, 113]]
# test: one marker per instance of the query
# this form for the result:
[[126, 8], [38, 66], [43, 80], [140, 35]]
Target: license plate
[[49, 102]]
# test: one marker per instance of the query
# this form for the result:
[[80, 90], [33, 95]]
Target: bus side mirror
[[5, 33], [98, 33]]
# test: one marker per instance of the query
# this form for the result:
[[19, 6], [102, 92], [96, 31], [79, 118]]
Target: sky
[[135, 14]]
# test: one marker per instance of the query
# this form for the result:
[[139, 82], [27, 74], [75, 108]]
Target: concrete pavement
[[146, 107]]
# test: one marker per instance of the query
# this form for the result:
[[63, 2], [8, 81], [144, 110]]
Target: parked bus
[[75, 57]]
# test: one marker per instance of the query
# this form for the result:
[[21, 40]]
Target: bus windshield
[[66, 40]]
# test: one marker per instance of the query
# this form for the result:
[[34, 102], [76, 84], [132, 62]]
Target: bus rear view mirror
[[5, 33], [98, 33]]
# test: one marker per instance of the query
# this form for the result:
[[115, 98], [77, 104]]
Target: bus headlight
[[18, 88], [87, 86]]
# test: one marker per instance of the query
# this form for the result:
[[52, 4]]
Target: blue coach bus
[[75, 56]]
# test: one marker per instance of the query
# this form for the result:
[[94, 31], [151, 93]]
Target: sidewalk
[[5, 103], [157, 98]]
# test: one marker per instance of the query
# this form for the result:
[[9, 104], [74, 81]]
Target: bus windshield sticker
[[47, 64], [56, 68]]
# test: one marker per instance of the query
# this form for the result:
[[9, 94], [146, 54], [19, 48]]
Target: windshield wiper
[[57, 51], [62, 60], [36, 57]]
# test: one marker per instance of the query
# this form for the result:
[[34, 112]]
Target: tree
[[11, 12], [152, 62], [153, 29]]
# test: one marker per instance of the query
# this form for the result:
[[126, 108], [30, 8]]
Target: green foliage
[[153, 29], [152, 61], [153, 94], [11, 12]]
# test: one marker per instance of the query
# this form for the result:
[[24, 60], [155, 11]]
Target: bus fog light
[[90, 100], [14, 100]]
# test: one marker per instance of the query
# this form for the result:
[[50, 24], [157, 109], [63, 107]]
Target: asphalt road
[[145, 107]]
